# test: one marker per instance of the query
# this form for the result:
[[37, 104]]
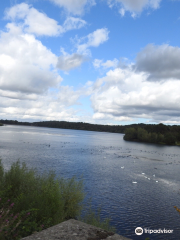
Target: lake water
[[136, 184]]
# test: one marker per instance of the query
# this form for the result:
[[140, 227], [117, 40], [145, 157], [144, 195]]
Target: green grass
[[39, 200]]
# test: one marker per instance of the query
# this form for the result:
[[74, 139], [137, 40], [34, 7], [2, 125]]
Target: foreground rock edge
[[74, 230]]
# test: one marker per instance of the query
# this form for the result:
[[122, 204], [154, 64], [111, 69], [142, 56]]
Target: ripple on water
[[99, 157]]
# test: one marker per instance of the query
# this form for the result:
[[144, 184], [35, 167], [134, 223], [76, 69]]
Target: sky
[[113, 62]]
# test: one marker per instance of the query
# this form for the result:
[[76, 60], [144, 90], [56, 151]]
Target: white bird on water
[[148, 178], [122, 167], [134, 182], [154, 175]]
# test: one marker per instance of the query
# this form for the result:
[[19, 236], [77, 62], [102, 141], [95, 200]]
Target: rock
[[74, 230]]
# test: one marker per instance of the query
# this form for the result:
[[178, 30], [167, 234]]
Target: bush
[[15, 226], [130, 134], [39, 201], [72, 195], [90, 217], [52, 200], [94, 219]]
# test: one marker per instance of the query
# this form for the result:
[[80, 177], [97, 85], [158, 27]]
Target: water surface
[[136, 184]]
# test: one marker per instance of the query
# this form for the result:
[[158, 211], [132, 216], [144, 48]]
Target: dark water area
[[135, 184]]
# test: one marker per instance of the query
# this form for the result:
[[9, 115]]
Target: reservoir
[[135, 184]]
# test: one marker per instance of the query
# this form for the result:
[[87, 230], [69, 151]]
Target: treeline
[[160, 134], [152, 133], [14, 122], [81, 126], [70, 125]]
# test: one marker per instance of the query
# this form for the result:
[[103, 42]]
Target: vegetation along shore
[[149, 133], [30, 202]]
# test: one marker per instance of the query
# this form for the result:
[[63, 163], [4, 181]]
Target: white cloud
[[29, 82], [73, 23], [17, 95], [68, 96], [160, 62], [34, 21], [39, 23], [97, 37], [25, 64], [67, 62], [125, 93], [56, 105], [122, 12], [92, 40], [97, 63], [75, 7], [108, 64], [134, 6], [44, 108], [104, 116], [19, 11], [154, 3]]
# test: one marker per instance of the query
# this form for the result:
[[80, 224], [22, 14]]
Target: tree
[[142, 135], [130, 134], [153, 137], [161, 128], [169, 138], [160, 138]]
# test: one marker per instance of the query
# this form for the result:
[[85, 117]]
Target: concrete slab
[[74, 230]]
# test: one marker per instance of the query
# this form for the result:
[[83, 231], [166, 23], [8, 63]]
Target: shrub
[[41, 201], [72, 196], [52, 200], [9, 222], [130, 134], [93, 218]]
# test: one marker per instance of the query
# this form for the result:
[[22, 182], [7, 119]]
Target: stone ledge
[[74, 230]]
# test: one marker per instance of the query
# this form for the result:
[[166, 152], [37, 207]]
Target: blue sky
[[96, 61]]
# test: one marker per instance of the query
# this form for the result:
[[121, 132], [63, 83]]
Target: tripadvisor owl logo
[[139, 231]]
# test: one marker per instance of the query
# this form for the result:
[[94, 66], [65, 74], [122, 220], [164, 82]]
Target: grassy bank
[[31, 202]]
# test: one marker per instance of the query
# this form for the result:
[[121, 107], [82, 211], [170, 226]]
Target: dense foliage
[[160, 134], [49, 200], [30, 202]]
